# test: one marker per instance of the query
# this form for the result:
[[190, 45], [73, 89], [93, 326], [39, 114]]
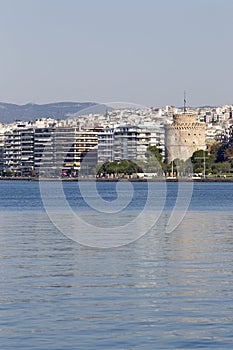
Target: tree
[[153, 163], [228, 154], [125, 166], [32, 172], [215, 151], [199, 156], [223, 167], [154, 152], [182, 167], [9, 172]]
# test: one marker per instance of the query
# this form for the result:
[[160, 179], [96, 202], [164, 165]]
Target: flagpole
[[184, 101]]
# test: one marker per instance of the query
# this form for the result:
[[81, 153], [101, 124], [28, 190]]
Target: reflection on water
[[164, 291]]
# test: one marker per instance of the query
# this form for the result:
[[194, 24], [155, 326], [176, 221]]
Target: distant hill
[[60, 110]]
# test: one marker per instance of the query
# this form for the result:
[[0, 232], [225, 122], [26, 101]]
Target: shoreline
[[36, 179]]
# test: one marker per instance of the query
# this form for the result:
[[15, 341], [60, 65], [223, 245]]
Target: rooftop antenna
[[184, 101]]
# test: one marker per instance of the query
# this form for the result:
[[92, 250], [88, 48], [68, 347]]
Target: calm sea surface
[[163, 291]]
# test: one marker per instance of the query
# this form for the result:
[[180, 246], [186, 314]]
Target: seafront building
[[105, 145], [132, 142], [12, 151], [2, 142], [44, 151]]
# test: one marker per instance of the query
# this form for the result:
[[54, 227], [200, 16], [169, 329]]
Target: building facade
[[12, 152], [183, 137], [105, 145], [44, 150]]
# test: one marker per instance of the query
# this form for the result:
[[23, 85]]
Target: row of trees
[[218, 161], [153, 164], [124, 167]]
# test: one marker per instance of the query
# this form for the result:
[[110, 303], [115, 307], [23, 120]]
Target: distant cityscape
[[61, 145]]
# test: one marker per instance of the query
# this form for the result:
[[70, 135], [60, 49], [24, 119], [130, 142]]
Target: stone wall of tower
[[183, 137]]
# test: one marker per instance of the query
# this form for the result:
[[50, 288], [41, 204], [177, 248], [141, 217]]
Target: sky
[[138, 51]]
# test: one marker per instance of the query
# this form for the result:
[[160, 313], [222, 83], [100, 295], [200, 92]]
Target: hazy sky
[[139, 51]]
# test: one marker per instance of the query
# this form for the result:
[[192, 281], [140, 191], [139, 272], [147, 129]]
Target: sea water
[[164, 290]]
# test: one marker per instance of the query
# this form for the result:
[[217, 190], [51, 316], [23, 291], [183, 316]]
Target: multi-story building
[[27, 151], [125, 143], [143, 141], [44, 150], [64, 148], [12, 152], [128, 142], [85, 149], [1, 157], [2, 140], [85, 141], [61, 150], [18, 149], [105, 145]]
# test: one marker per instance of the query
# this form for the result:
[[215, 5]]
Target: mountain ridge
[[9, 112]]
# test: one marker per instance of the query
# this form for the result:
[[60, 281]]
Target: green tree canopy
[[228, 154], [199, 156], [154, 152], [123, 167]]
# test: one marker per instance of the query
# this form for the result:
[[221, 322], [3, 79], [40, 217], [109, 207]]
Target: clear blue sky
[[139, 51]]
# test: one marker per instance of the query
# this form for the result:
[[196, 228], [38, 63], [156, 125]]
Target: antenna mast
[[184, 101]]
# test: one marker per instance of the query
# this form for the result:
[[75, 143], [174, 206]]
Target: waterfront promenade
[[116, 179]]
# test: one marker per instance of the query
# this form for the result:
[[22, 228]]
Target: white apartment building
[[128, 142]]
